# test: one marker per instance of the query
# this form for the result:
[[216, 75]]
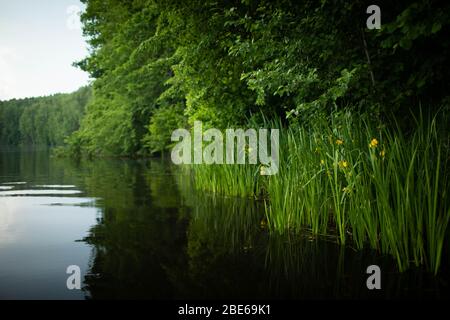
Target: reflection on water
[[137, 229], [37, 192], [21, 182], [56, 186]]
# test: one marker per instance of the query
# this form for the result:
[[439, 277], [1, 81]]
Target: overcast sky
[[39, 41]]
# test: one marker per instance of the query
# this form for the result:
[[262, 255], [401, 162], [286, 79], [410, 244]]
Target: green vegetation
[[370, 184], [224, 62], [363, 113], [42, 121]]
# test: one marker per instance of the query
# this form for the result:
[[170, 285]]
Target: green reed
[[240, 180], [355, 178]]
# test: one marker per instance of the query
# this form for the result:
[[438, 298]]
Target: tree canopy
[[162, 64], [42, 121]]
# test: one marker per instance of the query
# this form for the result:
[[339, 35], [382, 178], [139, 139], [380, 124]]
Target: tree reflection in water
[[159, 239]]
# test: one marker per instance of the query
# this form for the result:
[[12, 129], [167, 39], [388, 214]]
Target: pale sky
[[39, 41]]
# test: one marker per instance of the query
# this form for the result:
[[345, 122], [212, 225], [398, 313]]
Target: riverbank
[[371, 185]]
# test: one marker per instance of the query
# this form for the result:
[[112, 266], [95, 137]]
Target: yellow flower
[[343, 164], [263, 171], [382, 153], [322, 162], [263, 224], [339, 142], [373, 143]]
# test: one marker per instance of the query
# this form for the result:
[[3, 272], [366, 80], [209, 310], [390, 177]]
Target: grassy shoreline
[[373, 186]]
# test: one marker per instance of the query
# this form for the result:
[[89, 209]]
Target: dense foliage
[[42, 121], [224, 62], [362, 150]]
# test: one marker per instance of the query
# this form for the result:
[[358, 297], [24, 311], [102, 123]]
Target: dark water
[[137, 229]]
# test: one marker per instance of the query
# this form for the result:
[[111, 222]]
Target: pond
[[137, 229]]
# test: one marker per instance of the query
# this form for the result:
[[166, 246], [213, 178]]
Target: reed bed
[[357, 179]]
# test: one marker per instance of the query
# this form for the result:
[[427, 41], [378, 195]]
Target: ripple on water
[[15, 182], [38, 192], [54, 186]]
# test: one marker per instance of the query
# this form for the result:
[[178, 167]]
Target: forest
[[363, 114], [160, 65], [43, 121]]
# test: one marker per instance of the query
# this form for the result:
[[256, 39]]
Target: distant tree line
[[162, 64], [43, 120]]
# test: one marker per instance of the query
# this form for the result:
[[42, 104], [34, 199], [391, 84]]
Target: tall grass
[[241, 180], [353, 177]]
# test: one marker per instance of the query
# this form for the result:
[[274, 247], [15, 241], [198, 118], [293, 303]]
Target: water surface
[[137, 229]]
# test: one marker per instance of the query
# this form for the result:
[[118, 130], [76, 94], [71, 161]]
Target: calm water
[[137, 229]]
